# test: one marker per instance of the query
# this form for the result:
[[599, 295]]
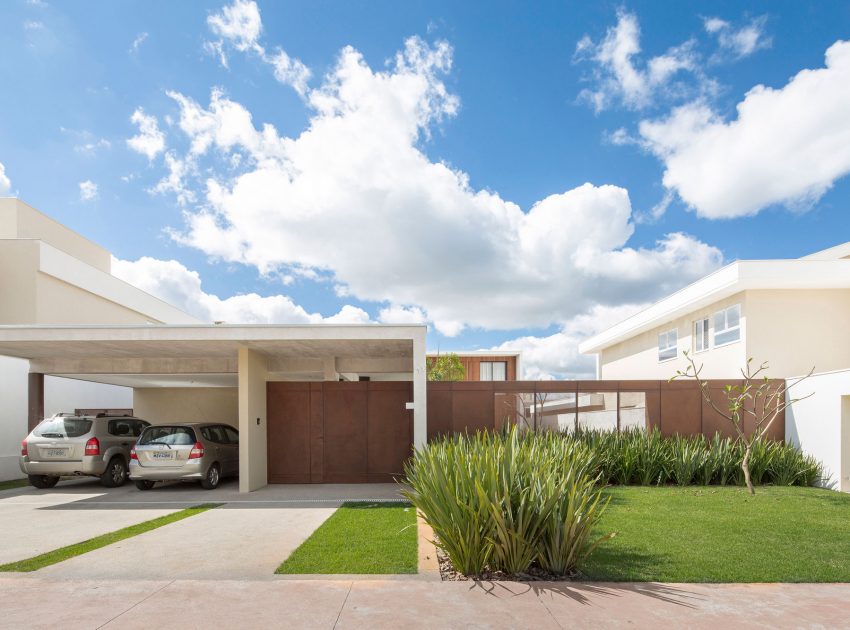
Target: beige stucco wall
[[187, 404], [637, 358], [18, 265], [58, 302], [796, 330], [19, 220]]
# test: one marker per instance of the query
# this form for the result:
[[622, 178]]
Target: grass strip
[[64, 553], [722, 534], [360, 537], [13, 483]]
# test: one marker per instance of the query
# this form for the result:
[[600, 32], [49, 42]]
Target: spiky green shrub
[[506, 500], [687, 456]]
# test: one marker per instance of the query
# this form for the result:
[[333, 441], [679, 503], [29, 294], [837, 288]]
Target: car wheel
[[42, 481], [213, 476], [115, 474], [141, 484]]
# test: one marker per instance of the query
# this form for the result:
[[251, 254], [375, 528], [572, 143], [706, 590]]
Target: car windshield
[[63, 427], [172, 436]]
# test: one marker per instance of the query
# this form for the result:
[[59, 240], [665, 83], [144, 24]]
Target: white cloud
[[140, 39], [239, 25], [787, 145], [354, 200], [150, 141], [5, 182], [175, 181], [618, 75], [33, 25], [90, 148], [556, 356], [395, 314], [88, 190], [172, 282], [741, 42]]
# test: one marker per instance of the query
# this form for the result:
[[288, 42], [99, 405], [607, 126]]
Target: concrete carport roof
[[243, 356]]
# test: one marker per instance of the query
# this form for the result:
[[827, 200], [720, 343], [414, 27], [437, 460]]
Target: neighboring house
[[793, 314], [50, 275], [487, 365]]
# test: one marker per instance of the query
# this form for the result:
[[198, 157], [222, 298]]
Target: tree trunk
[[745, 466]]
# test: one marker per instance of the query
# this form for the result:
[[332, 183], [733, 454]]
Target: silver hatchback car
[[69, 445], [190, 451]]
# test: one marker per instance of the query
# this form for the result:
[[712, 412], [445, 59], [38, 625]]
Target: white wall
[[13, 414], [187, 404], [815, 424]]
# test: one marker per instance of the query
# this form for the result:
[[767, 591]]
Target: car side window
[[139, 426], [232, 435], [119, 428]]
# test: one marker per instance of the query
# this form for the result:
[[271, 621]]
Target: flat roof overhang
[[206, 355], [743, 275]]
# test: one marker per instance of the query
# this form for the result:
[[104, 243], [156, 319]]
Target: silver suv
[[191, 451], [68, 445]]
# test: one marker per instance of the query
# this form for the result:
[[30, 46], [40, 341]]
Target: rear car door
[[233, 446]]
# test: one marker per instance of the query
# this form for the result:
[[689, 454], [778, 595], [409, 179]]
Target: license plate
[[162, 455], [56, 452]]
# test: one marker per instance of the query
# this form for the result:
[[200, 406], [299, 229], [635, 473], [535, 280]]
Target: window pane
[[719, 321], [727, 337], [733, 316], [486, 373], [500, 369]]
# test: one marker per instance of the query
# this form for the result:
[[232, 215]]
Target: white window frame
[[726, 328], [675, 345], [704, 325], [490, 369]]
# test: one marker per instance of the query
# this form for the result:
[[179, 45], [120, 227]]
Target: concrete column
[[420, 409], [253, 464], [35, 399], [329, 369]]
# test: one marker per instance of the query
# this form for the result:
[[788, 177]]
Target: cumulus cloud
[[556, 356], [172, 282], [355, 201], [5, 182], [88, 190], [239, 26], [620, 77], [396, 314], [150, 141], [738, 42], [786, 146]]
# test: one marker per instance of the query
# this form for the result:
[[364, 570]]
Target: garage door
[[338, 432]]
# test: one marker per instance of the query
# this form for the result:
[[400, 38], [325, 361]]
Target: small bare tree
[[757, 397]]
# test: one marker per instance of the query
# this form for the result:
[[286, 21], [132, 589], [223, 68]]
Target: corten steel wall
[[472, 366], [338, 432], [673, 407]]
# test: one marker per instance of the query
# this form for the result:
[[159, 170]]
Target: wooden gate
[[338, 432]]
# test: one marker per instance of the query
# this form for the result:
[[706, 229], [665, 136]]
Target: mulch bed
[[535, 574]]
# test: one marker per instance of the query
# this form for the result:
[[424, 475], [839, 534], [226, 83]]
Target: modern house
[[488, 365], [328, 403], [792, 314], [51, 275]]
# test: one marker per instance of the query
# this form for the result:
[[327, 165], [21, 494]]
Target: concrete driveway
[[247, 537]]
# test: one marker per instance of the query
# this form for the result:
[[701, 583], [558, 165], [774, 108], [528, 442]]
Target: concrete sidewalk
[[31, 602]]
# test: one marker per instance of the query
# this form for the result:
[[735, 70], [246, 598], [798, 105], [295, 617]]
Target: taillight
[[197, 451], [93, 446], [24, 451], [133, 454]]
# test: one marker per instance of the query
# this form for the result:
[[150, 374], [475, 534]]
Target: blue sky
[[518, 174]]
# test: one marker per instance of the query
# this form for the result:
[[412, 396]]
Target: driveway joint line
[[141, 601], [344, 602]]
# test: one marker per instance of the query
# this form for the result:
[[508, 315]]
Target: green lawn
[[721, 534], [13, 483], [63, 553], [360, 538]]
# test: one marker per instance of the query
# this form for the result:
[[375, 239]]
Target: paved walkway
[[30, 602]]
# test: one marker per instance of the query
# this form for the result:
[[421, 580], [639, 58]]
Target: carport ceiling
[[198, 342], [159, 380]]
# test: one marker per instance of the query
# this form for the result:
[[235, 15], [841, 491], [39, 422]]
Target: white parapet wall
[[820, 424]]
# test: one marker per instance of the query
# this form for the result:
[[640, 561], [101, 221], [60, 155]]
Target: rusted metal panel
[[681, 411], [288, 432], [472, 410], [317, 433], [439, 410], [390, 430], [346, 442]]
